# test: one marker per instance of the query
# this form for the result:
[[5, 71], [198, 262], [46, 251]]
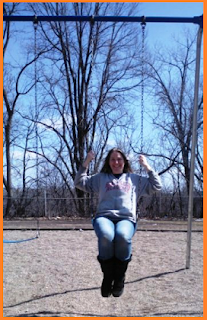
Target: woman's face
[[116, 162]]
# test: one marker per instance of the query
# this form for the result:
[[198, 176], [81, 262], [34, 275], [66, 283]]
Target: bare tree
[[14, 88], [172, 78], [84, 81], [9, 104]]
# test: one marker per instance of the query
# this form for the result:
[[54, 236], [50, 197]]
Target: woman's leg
[[105, 231], [124, 232]]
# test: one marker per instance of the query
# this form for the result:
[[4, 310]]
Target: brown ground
[[58, 275]]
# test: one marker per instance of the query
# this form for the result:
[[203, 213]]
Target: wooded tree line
[[80, 89]]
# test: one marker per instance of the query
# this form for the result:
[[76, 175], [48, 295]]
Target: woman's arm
[[153, 182], [82, 180], [143, 162], [89, 158]]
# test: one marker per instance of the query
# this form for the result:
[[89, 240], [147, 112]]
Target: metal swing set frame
[[198, 20]]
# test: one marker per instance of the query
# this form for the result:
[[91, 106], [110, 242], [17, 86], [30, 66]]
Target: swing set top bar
[[197, 19]]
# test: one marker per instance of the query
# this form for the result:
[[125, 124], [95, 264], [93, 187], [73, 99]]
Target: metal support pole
[[193, 148]]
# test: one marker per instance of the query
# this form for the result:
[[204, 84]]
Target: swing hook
[[92, 21], [143, 22], [35, 21]]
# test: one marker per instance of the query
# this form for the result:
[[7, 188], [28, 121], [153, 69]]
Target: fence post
[[45, 196]]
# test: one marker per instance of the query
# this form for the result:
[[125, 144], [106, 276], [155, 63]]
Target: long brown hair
[[106, 167]]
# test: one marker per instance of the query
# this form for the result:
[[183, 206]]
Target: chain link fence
[[158, 206]]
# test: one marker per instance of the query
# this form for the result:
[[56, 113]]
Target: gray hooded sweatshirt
[[117, 197]]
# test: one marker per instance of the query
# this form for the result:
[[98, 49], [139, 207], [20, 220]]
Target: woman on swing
[[115, 222]]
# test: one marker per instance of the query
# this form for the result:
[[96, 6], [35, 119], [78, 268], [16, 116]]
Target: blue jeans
[[114, 238]]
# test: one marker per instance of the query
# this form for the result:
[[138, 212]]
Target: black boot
[[119, 276], [107, 267]]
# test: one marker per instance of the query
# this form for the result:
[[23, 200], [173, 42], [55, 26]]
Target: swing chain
[[91, 108], [91, 71], [35, 23], [143, 24], [36, 102]]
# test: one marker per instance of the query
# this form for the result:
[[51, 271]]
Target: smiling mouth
[[116, 168]]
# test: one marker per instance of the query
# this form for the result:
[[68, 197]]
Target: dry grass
[[58, 275]]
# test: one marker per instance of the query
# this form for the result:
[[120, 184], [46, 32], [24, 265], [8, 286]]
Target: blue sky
[[172, 9], [162, 32], [156, 32]]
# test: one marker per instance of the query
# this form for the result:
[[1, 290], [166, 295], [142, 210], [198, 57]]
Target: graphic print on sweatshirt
[[118, 185]]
